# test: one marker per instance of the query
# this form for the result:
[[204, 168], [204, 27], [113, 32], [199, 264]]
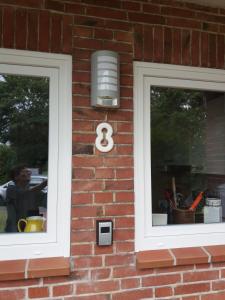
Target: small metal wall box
[[104, 232], [105, 81]]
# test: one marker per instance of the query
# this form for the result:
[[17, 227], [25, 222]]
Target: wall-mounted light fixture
[[105, 83]]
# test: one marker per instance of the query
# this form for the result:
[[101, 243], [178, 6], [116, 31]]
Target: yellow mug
[[32, 224]]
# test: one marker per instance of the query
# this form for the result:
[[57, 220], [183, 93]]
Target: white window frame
[[148, 237], [56, 241]]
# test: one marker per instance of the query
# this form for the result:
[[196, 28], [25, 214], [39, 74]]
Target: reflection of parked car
[[35, 180]]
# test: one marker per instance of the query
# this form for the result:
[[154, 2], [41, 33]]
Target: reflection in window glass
[[187, 156], [24, 122]]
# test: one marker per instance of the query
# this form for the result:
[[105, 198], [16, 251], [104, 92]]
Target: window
[[35, 108], [179, 118]]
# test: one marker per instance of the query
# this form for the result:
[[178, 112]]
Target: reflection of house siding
[[215, 136]]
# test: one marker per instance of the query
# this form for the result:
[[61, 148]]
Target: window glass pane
[[187, 156], [24, 122]]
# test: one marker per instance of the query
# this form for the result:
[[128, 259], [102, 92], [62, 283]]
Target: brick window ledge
[[180, 256], [34, 268]]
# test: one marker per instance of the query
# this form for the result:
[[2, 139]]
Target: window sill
[[34, 268], [180, 256]]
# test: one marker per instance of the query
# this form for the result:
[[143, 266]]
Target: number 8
[[104, 136]]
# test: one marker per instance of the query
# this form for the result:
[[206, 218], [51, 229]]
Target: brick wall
[[165, 31]]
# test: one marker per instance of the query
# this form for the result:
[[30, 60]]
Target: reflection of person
[[22, 200]]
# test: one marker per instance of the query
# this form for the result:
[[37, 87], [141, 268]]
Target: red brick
[[117, 260], [195, 48], [84, 211], [145, 18], [56, 33], [124, 149], [128, 5], [119, 185], [124, 234], [13, 294], [83, 126], [62, 290], [204, 49], [103, 34], [84, 138], [32, 41], [25, 3], [191, 255], [38, 292], [130, 283], [154, 259], [177, 12], [67, 34], [151, 8], [163, 292], [200, 276], [118, 47], [167, 45], [133, 295], [83, 236], [45, 267], [104, 197], [74, 8], [88, 262], [124, 197], [81, 76], [87, 161], [87, 185], [84, 198], [176, 50], [124, 247], [82, 224], [216, 252], [89, 21], [87, 43], [83, 173], [220, 51], [54, 5], [83, 31], [215, 296], [138, 42], [87, 114], [99, 274], [212, 50], [158, 44], [81, 65], [44, 31], [21, 29], [124, 222], [124, 173], [81, 249], [106, 13], [118, 161], [123, 36], [119, 210], [12, 269], [184, 23], [120, 25], [104, 173], [218, 285], [161, 280], [81, 88], [192, 288], [103, 250], [90, 297], [97, 287], [186, 43]]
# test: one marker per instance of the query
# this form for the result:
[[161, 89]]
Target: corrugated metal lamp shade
[[105, 85]]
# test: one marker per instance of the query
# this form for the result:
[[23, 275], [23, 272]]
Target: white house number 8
[[104, 141]]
